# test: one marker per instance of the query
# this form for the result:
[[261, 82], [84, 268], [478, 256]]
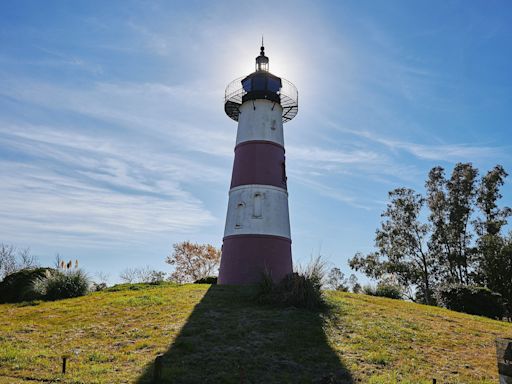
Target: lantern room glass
[[262, 63]]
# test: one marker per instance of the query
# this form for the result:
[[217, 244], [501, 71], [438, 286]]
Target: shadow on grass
[[230, 339]]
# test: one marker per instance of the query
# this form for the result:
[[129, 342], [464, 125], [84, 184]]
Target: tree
[[437, 201], [461, 244], [401, 243], [336, 280], [129, 275], [13, 260], [500, 280], [354, 284], [494, 218], [7, 260], [102, 277], [494, 249], [142, 275], [58, 262], [451, 204], [461, 199], [193, 261]]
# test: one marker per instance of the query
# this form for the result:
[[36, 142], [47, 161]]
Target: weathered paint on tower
[[257, 237]]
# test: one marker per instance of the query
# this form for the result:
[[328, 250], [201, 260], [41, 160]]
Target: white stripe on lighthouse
[[259, 210], [260, 120]]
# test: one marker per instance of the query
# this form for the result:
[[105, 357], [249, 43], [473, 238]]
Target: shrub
[[390, 291], [97, 287], [62, 285], [315, 271], [369, 290], [295, 290], [18, 286], [472, 299], [207, 280]]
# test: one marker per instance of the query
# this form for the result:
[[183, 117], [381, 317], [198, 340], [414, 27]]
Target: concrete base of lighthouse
[[246, 258]]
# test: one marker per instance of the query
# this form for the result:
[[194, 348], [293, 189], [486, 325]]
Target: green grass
[[218, 335]]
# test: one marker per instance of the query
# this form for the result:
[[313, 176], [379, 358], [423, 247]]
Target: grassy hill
[[214, 334]]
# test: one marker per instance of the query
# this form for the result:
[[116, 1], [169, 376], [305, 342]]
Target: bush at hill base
[[18, 286], [43, 284], [383, 289], [207, 280], [295, 290], [62, 285], [473, 300]]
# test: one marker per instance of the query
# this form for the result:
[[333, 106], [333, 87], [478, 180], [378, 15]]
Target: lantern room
[[261, 84]]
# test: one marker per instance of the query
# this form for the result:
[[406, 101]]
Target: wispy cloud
[[79, 187], [150, 108], [438, 151], [314, 154]]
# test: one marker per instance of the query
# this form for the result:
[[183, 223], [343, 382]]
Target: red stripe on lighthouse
[[259, 162], [259, 142], [245, 258]]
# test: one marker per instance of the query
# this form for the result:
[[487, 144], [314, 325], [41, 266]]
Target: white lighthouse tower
[[257, 236]]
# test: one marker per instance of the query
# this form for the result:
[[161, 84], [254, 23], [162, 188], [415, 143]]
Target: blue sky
[[114, 144]]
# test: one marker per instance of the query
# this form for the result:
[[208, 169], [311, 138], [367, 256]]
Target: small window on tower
[[239, 214], [283, 172], [257, 205]]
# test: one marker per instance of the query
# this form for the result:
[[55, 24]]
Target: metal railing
[[288, 94]]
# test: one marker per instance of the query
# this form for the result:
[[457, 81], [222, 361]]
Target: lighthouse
[[257, 237]]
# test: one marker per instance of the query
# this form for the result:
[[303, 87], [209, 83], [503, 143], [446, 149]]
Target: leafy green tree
[[499, 273], [451, 203], [461, 198], [401, 243], [461, 244], [336, 280], [437, 201], [494, 218], [494, 250], [353, 283]]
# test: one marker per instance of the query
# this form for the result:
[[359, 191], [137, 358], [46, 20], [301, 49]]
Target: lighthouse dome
[[261, 84]]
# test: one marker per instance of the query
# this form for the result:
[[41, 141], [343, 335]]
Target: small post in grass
[[64, 361], [504, 356], [157, 372]]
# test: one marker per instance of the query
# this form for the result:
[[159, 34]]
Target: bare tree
[[7, 260], [142, 275], [26, 259], [102, 277], [58, 261], [13, 260], [129, 275], [193, 261]]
